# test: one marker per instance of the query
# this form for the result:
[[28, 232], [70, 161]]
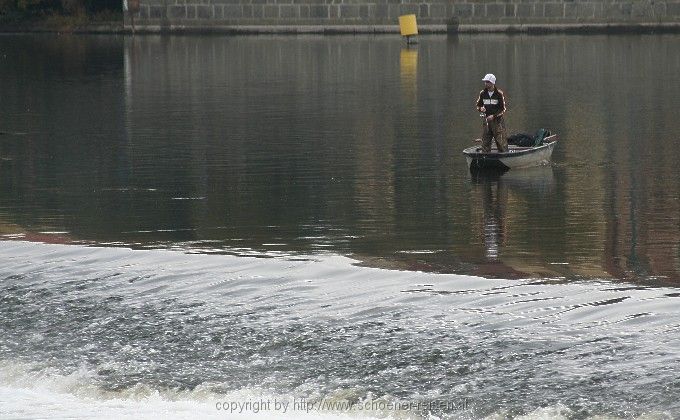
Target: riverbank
[[117, 27], [89, 28]]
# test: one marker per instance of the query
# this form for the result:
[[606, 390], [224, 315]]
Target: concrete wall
[[437, 14]]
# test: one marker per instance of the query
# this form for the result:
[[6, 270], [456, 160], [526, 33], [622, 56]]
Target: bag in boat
[[541, 134], [527, 140], [521, 139]]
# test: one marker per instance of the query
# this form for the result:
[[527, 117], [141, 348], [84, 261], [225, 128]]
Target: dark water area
[[348, 145], [191, 221]]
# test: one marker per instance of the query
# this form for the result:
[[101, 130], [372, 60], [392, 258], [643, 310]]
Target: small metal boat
[[515, 157]]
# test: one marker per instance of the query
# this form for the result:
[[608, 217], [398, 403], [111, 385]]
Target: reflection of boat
[[515, 157], [537, 180]]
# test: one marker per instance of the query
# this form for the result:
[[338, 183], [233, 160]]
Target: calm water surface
[[349, 145], [359, 260]]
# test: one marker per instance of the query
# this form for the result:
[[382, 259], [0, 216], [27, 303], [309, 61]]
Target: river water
[[285, 227]]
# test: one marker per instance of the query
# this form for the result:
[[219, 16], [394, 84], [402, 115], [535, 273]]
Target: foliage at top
[[62, 7]]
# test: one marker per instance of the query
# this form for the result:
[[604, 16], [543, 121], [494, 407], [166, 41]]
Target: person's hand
[[482, 109], [489, 118]]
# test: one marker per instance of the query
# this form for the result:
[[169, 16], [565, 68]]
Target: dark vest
[[493, 104]]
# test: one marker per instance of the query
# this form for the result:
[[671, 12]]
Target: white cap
[[489, 78]]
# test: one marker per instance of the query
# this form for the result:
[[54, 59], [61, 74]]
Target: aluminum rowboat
[[515, 157]]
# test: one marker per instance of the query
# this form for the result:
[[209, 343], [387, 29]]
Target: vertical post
[[132, 7]]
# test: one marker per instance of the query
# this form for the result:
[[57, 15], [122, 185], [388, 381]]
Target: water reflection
[[408, 65], [494, 195], [506, 200], [352, 145]]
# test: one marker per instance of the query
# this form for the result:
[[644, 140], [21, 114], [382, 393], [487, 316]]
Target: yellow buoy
[[408, 26]]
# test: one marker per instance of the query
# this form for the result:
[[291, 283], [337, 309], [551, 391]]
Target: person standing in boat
[[491, 103]]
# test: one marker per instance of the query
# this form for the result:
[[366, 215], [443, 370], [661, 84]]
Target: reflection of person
[[491, 102], [494, 201]]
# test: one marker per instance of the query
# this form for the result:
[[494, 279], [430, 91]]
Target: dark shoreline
[[539, 29]]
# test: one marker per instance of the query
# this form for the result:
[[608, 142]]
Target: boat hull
[[515, 157]]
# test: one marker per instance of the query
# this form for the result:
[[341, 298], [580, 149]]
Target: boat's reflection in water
[[500, 196]]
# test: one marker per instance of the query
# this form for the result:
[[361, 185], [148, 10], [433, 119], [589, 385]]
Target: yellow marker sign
[[408, 25]]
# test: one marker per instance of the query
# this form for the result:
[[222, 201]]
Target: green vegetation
[[60, 12]]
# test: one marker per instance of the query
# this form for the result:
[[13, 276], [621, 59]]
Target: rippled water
[[194, 221], [108, 323]]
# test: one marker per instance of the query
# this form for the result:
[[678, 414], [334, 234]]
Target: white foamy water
[[115, 333], [39, 403]]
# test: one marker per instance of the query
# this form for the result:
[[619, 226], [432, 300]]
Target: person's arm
[[480, 103], [502, 104]]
